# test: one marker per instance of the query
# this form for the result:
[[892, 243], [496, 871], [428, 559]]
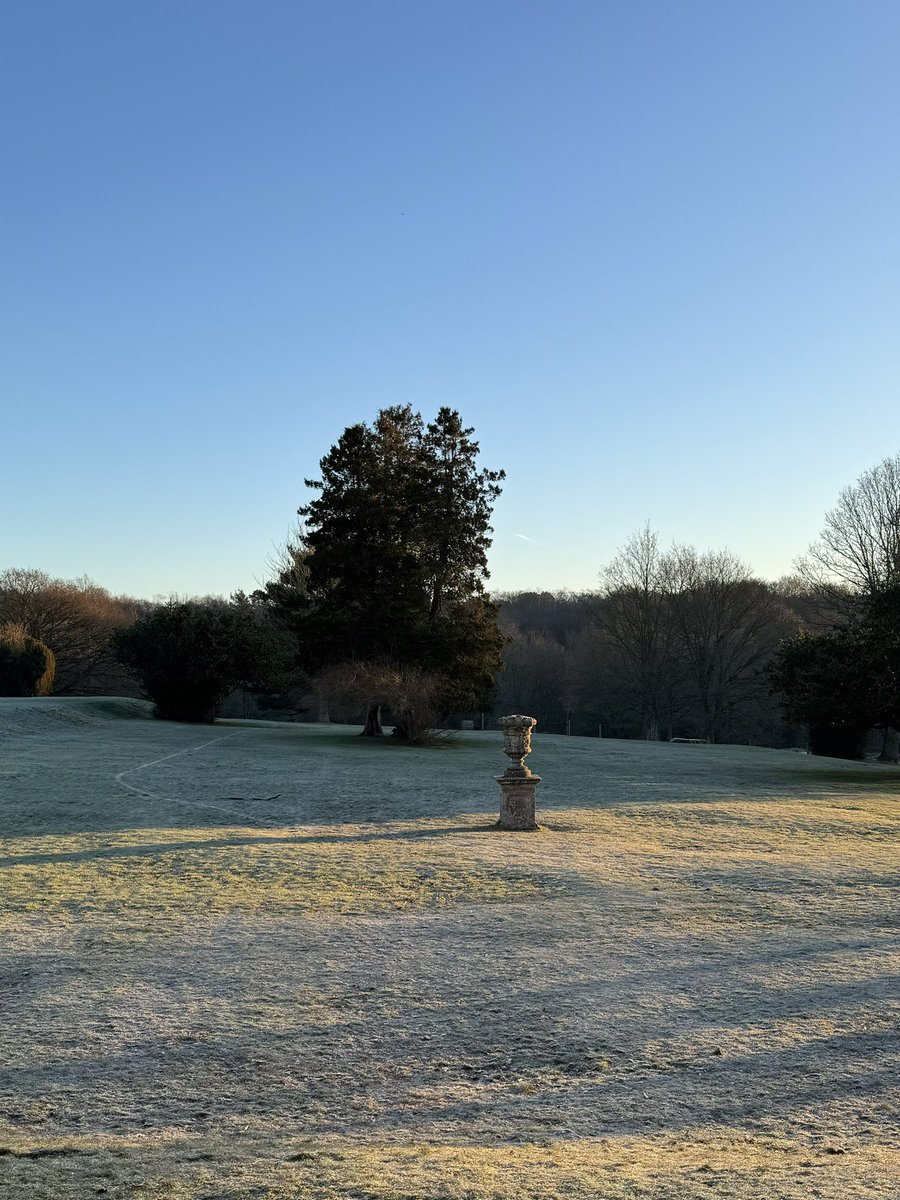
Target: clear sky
[[649, 249]]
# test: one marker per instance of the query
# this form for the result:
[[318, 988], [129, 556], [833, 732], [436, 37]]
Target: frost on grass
[[684, 986], [190, 870]]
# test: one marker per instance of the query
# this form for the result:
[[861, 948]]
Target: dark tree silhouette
[[190, 656], [394, 559]]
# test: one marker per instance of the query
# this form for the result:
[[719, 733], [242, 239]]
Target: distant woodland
[[379, 610], [630, 661]]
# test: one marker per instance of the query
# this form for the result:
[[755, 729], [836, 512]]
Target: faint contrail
[[528, 539]]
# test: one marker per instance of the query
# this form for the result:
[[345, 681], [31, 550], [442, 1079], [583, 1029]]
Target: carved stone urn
[[518, 783]]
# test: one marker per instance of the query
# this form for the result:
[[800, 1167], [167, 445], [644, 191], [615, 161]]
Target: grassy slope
[[283, 962]]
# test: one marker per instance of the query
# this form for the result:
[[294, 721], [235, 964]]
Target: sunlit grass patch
[[786, 824], [606, 1169], [769, 860], [202, 869], [704, 1162]]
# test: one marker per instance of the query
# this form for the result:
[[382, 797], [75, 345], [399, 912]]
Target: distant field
[[272, 962]]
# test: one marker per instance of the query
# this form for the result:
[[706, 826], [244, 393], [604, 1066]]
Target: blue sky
[[651, 251]]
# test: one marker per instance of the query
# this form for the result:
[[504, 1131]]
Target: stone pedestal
[[517, 784], [517, 798]]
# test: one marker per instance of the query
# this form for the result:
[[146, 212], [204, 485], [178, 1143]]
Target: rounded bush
[[27, 666], [190, 656]]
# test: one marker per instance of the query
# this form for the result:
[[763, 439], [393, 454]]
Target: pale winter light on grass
[[297, 964]]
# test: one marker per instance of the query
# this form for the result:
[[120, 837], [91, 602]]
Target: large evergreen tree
[[394, 557], [845, 681]]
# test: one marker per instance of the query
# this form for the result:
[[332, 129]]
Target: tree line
[[674, 645], [380, 602], [683, 643]]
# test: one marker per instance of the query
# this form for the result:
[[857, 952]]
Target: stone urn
[[518, 783]]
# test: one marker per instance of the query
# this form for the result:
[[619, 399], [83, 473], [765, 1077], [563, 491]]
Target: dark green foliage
[[27, 666], [845, 681], [838, 740], [189, 657], [393, 559], [20, 669]]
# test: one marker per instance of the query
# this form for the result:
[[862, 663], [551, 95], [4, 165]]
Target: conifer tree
[[395, 556]]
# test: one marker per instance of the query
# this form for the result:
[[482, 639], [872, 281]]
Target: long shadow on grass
[[750, 1092], [150, 849], [468, 1052], [163, 1081]]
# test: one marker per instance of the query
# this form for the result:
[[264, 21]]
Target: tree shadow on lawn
[[337, 789], [769, 874], [164, 1082], [346, 737], [111, 815], [568, 1060], [151, 849], [754, 882], [736, 1095], [404, 799]]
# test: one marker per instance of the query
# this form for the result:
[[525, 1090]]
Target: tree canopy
[[684, 632], [845, 681], [394, 557], [190, 656], [858, 550]]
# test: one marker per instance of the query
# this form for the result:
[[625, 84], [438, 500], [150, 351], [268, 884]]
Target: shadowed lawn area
[[279, 962]]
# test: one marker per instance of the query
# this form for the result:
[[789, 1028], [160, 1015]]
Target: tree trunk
[[890, 746], [372, 726]]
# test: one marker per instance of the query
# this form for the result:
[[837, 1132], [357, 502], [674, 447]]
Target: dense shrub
[[190, 656], [27, 666], [838, 740], [846, 681]]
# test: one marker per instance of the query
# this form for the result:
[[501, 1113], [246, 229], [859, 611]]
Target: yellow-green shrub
[[27, 666]]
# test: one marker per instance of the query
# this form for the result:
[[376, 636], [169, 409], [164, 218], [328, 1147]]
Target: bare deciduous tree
[[635, 622], [354, 689], [859, 547], [535, 678], [727, 626], [684, 636], [75, 618]]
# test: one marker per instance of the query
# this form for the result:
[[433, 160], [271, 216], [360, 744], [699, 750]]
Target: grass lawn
[[253, 961]]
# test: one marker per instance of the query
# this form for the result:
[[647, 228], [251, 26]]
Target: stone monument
[[517, 784]]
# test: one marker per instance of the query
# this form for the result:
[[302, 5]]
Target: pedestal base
[[517, 802]]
